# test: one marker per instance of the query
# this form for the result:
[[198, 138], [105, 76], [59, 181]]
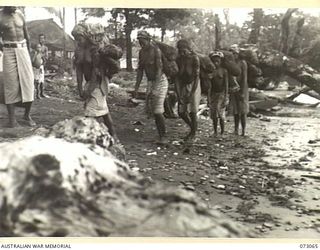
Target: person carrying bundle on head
[[150, 62], [188, 86]]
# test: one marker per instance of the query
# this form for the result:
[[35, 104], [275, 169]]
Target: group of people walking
[[188, 89], [23, 72]]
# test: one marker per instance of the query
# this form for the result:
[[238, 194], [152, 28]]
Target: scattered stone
[[224, 168], [189, 187], [222, 187], [175, 153], [313, 141], [304, 159], [177, 143], [137, 123], [265, 119], [152, 153], [268, 225]]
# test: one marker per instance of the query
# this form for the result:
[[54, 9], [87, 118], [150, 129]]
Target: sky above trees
[[237, 15]]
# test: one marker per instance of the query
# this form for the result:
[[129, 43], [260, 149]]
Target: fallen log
[[316, 177], [313, 94], [302, 91], [275, 63]]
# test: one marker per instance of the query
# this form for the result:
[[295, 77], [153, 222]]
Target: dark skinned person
[[150, 63], [240, 100], [17, 67], [188, 86], [218, 92]]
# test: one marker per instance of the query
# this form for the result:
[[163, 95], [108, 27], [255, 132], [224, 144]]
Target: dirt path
[[261, 180]]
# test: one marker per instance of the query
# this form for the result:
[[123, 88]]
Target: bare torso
[[148, 61], [219, 80], [12, 27], [188, 68]]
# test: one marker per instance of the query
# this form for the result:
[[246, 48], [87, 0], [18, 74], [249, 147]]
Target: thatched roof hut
[[53, 32]]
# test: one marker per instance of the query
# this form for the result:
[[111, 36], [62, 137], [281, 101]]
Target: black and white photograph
[[160, 122]]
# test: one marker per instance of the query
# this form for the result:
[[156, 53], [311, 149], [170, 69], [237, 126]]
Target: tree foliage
[[167, 19]]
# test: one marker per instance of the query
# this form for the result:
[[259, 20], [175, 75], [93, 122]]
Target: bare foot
[[162, 141], [29, 121], [13, 124], [236, 132], [189, 136], [214, 134]]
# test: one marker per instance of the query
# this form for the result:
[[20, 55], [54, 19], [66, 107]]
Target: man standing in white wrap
[[17, 67]]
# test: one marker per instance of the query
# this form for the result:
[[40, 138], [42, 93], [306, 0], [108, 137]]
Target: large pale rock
[[51, 187], [86, 130]]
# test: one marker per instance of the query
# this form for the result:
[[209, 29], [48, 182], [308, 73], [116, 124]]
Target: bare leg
[[79, 73], [222, 125], [215, 125], [194, 125], [109, 123], [243, 124], [161, 127], [27, 116], [236, 124], [185, 116], [12, 119], [37, 85], [42, 90]]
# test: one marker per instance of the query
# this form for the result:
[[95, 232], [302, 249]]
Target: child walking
[[218, 92]]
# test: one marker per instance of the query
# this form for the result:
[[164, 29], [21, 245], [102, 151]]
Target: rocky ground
[[267, 180]]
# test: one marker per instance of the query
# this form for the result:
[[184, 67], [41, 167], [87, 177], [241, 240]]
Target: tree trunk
[[217, 32], [128, 30], [226, 14], [163, 32], [279, 62], [75, 16], [295, 50], [256, 26], [64, 37], [285, 30]]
